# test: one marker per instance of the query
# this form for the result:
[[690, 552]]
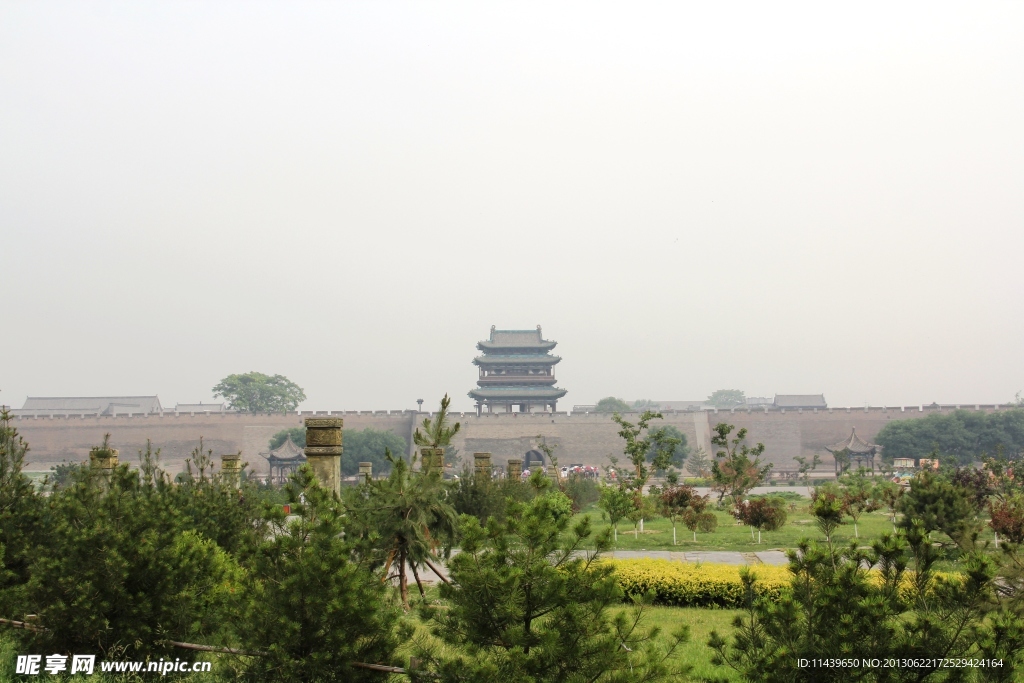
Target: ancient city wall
[[587, 438]]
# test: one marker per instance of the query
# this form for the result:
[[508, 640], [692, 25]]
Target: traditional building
[[854, 451], [284, 460], [517, 373], [106, 406]]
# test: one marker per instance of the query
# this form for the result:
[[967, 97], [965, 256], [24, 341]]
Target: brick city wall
[[586, 438]]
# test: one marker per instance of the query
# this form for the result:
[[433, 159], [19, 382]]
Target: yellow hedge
[[685, 584]]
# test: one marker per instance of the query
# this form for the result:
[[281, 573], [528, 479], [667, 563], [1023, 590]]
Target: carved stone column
[[323, 450], [432, 460], [366, 471], [482, 466], [515, 470], [231, 467], [104, 459]]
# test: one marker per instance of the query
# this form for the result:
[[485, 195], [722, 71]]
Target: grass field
[[701, 622], [729, 535]]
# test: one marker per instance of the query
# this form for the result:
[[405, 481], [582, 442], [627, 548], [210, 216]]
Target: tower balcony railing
[[516, 379]]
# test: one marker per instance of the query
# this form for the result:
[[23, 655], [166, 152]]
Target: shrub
[[695, 585]]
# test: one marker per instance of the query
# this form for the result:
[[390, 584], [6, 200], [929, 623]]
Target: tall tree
[[737, 467], [403, 522], [698, 463], [254, 392], [645, 445], [437, 431], [727, 398]]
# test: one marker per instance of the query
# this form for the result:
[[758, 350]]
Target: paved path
[[772, 557], [761, 490]]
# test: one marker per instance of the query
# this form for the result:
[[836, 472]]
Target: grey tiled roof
[[854, 444], [800, 401], [516, 339], [102, 405]]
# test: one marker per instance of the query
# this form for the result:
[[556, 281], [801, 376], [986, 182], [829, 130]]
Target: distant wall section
[[586, 438]]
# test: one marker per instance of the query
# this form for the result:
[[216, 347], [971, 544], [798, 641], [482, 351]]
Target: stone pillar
[[231, 467], [553, 473], [366, 471], [482, 466], [432, 460], [323, 450], [515, 470], [103, 459]]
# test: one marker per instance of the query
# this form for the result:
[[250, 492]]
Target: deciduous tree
[[737, 467], [254, 392], [610, 404], [727, 398]]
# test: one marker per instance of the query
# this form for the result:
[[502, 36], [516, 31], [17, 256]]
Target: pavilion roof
[[516, 339], [853, 444], [517, 359], [289, 450], [514, 392]]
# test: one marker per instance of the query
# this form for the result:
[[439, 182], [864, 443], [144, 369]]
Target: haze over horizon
[[792, 198]]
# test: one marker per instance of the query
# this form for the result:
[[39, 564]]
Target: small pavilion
[[284, 460], [854, 450]]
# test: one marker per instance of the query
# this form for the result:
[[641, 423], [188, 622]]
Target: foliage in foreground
[[836, 608], [525, 603], [309, 606]]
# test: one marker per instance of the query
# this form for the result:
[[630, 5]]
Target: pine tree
[[527, 603]]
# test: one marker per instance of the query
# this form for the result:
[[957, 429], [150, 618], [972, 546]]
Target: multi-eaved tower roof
[[517, 373]]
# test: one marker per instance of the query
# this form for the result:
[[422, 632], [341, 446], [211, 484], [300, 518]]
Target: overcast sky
[[779, 198]]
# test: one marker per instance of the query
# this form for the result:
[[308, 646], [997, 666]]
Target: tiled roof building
[[89, 405], [517, 373], [800, 401]]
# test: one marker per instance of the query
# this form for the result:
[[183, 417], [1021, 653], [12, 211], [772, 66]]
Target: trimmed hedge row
[[684, 584]]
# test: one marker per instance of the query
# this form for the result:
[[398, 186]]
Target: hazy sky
[[791, 198]]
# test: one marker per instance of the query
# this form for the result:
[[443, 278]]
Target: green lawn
[[695, 651], [731, 536]]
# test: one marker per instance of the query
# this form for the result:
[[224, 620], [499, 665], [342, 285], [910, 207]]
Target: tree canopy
[[678, 452], [254, 392], [610, 404], [737, 467], [727, 398], [966, 435], [362, 445]]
